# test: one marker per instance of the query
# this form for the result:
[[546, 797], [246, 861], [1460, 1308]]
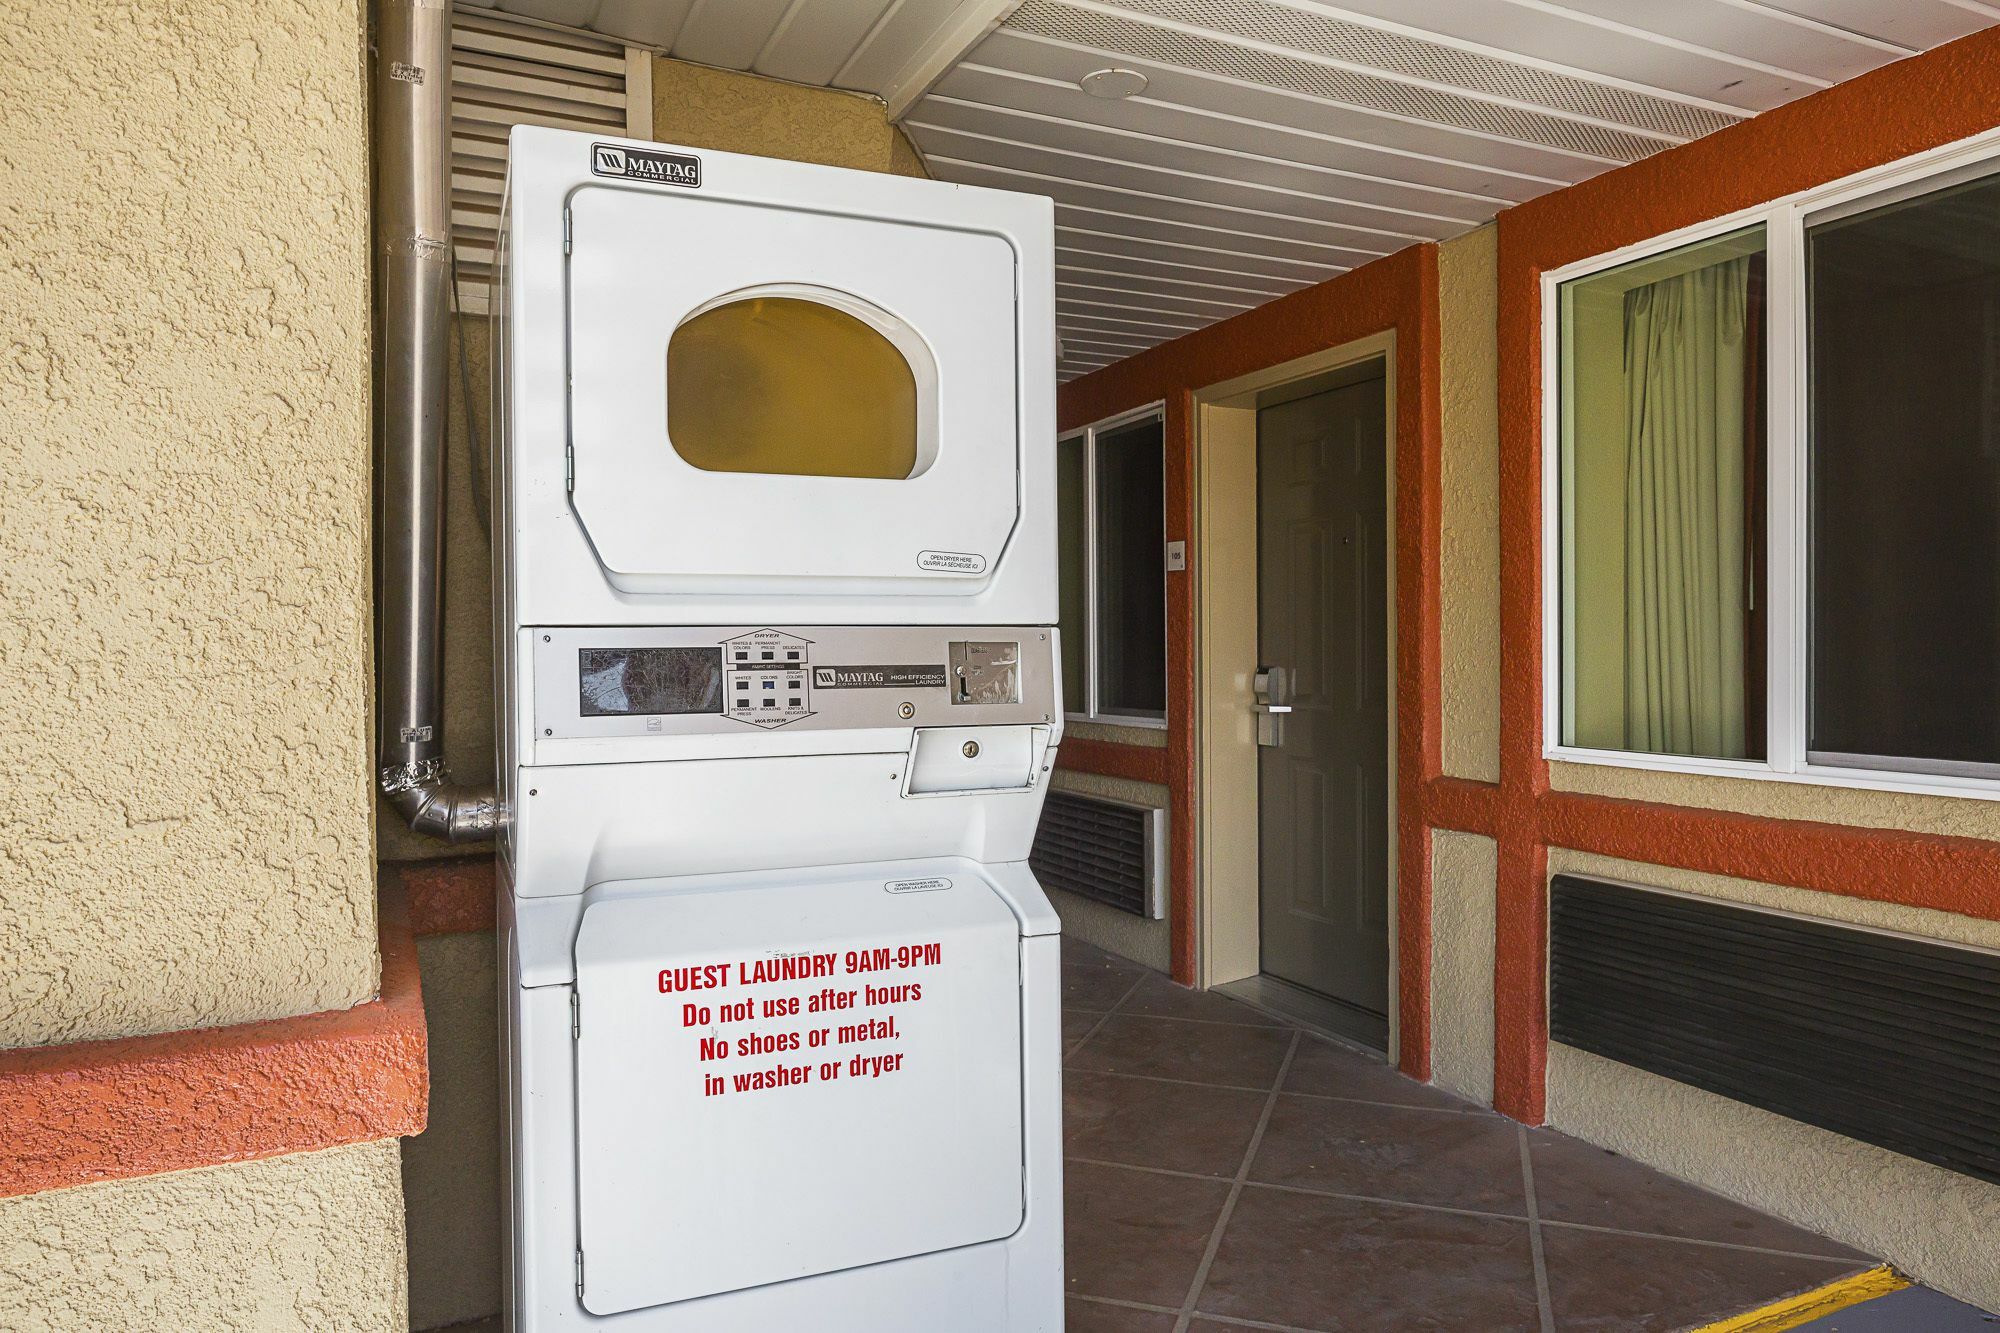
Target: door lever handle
[[1270, 687]]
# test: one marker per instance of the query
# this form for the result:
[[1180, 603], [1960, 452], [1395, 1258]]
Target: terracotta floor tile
[[1579, 1182], [1135, 1235], [1394, 1152], [1096, 986], [1198, 1052], [1076, 1025], [1075, 952], [1370, 1268], [1159, 997], [1638, 1284], [1092, 1317], [1330, 1070], [1175, 1126]]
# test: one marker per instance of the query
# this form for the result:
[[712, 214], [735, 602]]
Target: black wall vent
[[1883, 1038], [1112, 851]]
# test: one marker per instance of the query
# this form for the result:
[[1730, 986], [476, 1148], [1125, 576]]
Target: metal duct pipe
[[413, 239]]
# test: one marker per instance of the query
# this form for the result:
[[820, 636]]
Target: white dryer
[[779, 697]]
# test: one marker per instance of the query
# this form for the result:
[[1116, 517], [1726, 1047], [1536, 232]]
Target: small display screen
[[620, 682]]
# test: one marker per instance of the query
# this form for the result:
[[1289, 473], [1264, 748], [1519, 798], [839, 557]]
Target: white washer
[[780, 995]]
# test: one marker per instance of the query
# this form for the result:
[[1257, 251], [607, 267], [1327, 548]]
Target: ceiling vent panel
[[1310, 77], [1438, 63]]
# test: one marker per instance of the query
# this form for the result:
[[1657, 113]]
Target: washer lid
[[723, 352], [778, 1080]]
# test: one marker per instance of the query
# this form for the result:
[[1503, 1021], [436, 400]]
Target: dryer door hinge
[[579, 1274], [575, 1018]]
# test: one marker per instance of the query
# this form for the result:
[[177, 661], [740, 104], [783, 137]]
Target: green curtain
[[1685, 589]]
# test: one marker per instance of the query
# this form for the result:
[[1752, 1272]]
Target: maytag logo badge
[[643, 164]]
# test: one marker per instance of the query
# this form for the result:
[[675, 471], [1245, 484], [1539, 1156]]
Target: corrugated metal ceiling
[[1280, 142]]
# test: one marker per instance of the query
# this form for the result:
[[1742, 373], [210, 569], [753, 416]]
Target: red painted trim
[[1916, 104], [1946, 874], [447, 896], [1419, 706], [138, 1106], [1181, 675], [1463, 806], [1136, 763]]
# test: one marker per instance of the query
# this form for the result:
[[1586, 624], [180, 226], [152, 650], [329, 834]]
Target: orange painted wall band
[[1136, 763], [1946, 874], [1462, 805], [138, 1106]]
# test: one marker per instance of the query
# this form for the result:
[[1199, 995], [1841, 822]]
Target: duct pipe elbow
[[424, 795]]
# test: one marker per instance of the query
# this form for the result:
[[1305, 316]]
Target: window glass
[[1904, 477], [780, 384], [1131, 571], [1662, 384], [1072, 562]]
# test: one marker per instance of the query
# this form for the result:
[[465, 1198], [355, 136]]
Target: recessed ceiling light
[[1113, 83]]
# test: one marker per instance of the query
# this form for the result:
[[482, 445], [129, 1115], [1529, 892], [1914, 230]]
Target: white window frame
[[1787, 452], [1091, 711]]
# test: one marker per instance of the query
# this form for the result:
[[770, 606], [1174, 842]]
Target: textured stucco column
[[184, 530], [185, 832], [309, 1241]]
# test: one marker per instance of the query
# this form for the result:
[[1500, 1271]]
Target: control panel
[[592, 683]]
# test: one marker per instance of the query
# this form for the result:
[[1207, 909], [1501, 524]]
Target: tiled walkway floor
[[1229, 1171]]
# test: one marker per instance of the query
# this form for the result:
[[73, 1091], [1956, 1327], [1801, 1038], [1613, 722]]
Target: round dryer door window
[[788, 384]]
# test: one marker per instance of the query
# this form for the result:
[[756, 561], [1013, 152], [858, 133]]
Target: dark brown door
[[1322, 603]]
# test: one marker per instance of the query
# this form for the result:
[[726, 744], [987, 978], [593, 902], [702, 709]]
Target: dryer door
[[770, 399], [779, 1076]]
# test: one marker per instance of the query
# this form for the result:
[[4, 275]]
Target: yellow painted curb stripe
[[1815, 1304]]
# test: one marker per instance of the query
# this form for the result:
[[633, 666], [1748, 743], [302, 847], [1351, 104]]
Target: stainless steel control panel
[[603, 683]]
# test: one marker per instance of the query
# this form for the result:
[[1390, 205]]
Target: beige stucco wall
[[1935, 1224], [452, 1177], [742, 113], [184, 535], [1148, 942], [310, 1241], [1951, 815], [1116, 733], [1464, 877], [1469, 552]]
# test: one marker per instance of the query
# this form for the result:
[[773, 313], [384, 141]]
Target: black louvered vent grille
[[1890, 1040], [1102, 849]]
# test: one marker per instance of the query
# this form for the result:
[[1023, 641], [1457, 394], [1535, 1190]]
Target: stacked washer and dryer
[[779, 699]]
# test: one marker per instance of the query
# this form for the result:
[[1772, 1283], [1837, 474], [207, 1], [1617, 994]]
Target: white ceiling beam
[[964, 29]]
